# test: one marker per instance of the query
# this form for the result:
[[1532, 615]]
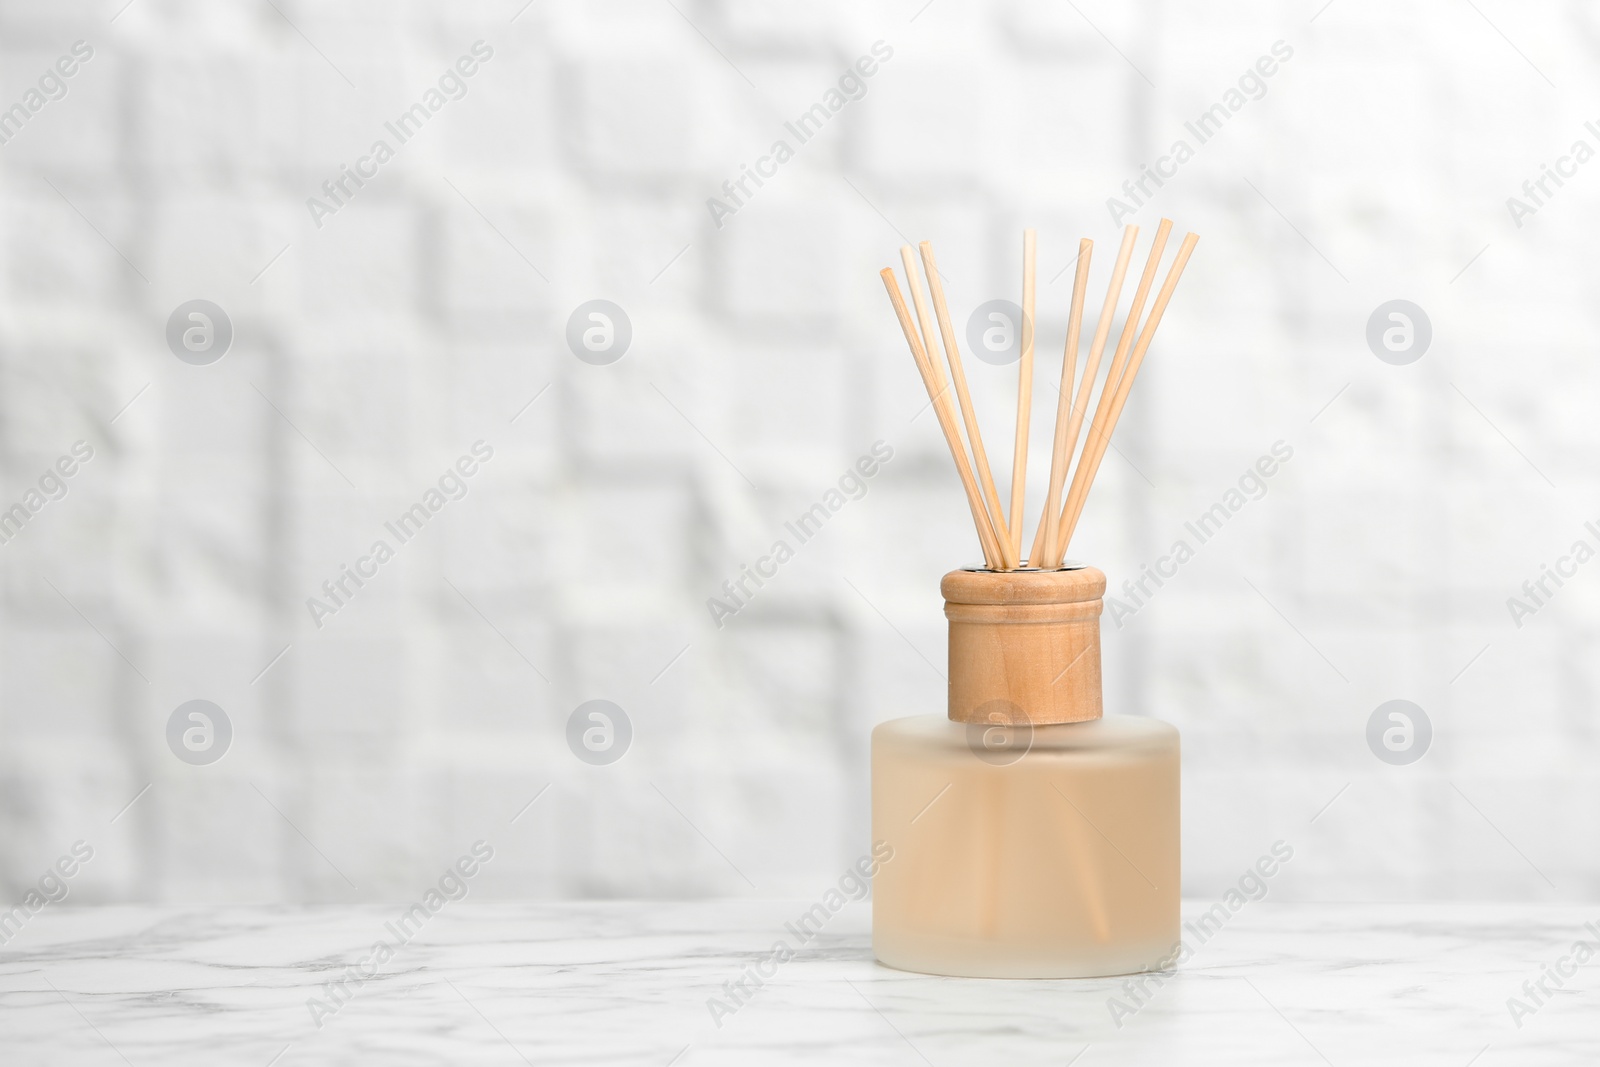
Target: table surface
[[635, 983]]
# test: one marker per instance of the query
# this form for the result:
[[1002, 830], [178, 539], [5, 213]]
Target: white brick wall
[[426, 313]]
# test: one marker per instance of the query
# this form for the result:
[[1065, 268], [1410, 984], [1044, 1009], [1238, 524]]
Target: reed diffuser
[[1032, 837]]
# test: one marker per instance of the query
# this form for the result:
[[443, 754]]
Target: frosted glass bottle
[[1031, 837]]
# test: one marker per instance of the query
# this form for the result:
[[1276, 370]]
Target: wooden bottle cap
[[1024, 645]]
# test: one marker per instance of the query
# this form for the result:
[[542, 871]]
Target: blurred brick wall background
[[372, 351]]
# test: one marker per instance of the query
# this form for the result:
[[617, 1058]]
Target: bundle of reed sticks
[[1000, 531]]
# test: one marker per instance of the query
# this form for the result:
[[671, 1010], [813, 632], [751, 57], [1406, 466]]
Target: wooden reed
[[1051, 537], [1061, 452], [930, 351], [1119, 360], [1146, 335], [942, 411], [1019, 455], [1087, 868], [958, 375], [1000, 533], [925, 326]]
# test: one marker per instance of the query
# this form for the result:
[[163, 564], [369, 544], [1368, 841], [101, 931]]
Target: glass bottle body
[[1026, 851]]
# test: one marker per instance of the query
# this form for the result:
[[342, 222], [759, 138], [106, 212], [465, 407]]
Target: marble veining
[[629, 983]]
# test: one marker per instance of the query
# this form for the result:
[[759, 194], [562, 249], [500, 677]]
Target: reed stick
[[1087, 867], [930, 348], [930, 353], [1019, 455], [958, 376], [1119, 360], [1108, 312], [1146, 335], [992, 823], [942, 411], [1060, 452]]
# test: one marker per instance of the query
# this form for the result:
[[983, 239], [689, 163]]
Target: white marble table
[[629, 983]]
